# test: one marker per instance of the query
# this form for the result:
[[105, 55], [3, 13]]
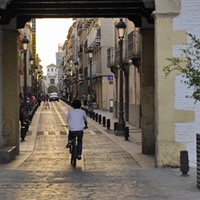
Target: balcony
[[110, 57], [134, 50], [87, 22], [96, 69], [94, 37]]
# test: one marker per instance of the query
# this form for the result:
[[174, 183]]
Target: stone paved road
[[106, 171]]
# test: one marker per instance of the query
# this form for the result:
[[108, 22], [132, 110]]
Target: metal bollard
[[115, 126], [86, 111], [184, 162], [126, 133], [108, 124], [96, 117], [99, 119], [104, 121], [23, 132], [26, 125], [93, 115], [90, 114]]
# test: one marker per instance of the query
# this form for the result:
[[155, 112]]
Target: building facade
[[51, 79]]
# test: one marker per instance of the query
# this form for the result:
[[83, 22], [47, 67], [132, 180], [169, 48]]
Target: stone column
[[167, 150], [1, 75], [9, 86], [147, 91]]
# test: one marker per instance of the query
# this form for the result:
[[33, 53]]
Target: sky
[[49, 33]]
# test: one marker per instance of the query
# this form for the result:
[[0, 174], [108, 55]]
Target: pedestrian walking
[[47, 106], [84, 99], [21, 110]]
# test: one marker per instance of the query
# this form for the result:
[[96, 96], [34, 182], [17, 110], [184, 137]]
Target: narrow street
[[105, 172]]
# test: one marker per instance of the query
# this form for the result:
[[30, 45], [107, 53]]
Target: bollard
[[115, 126], [108, 124], [96, 117], [104, 121], [93, 115], [86, 111], [23, 133], [184, 163], [126, 133], [99, 119], [26, 126], [31, 116]]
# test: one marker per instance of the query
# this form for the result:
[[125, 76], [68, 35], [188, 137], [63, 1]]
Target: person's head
[[76, 104]]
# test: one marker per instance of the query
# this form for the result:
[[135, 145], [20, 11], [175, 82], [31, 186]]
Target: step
[[7, 154]]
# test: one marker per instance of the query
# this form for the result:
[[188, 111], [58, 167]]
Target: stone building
[[51, 79]]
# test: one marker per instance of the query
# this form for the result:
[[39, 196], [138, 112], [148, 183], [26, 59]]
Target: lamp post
[[121, 26], [90, 53], [31, 63], [25, 42], [31, 60], [36, 78], [76, 67]]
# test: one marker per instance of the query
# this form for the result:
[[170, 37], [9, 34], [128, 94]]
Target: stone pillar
[[9, 86], [1, 75], [167, 150], [147, 91]]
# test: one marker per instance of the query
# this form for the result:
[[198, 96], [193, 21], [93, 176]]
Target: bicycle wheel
[[74, 155]]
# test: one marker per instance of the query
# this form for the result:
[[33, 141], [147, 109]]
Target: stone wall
[[185, 132]]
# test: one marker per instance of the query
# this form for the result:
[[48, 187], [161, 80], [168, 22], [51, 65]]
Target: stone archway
[[15, 13], [136, 10]]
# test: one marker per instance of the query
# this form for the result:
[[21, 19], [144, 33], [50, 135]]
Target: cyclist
[[77, 121]]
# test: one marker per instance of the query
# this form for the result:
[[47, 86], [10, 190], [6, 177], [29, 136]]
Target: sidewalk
[[132, 146], [164, 177]]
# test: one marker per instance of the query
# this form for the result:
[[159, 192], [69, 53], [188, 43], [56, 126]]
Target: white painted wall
[[52, 73], [189, 19]]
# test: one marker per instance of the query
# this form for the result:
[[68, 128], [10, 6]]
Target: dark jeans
[[79, 134]]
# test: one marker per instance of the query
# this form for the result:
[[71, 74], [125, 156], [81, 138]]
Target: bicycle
[[73, 151]]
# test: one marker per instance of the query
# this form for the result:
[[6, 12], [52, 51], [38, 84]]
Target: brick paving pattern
[[106, 171]]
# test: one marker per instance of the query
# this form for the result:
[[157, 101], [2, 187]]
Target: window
[[52, 81], [52, 69]]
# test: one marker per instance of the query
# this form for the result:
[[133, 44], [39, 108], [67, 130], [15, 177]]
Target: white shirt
[[76, 119]]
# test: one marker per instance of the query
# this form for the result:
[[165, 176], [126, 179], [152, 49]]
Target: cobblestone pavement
[[105, 172]]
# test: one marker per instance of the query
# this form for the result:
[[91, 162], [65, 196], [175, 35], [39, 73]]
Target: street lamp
[[121, 26], [25, 42], [31, 60], [90, 53], [36, 78], [76, 67]]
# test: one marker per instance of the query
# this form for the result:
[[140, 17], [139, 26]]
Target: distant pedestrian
[[94, 96], [47, 102], [84, 99], [21, 110], [89, 100]]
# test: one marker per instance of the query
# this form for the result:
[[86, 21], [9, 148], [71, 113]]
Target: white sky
[[49, 33]]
